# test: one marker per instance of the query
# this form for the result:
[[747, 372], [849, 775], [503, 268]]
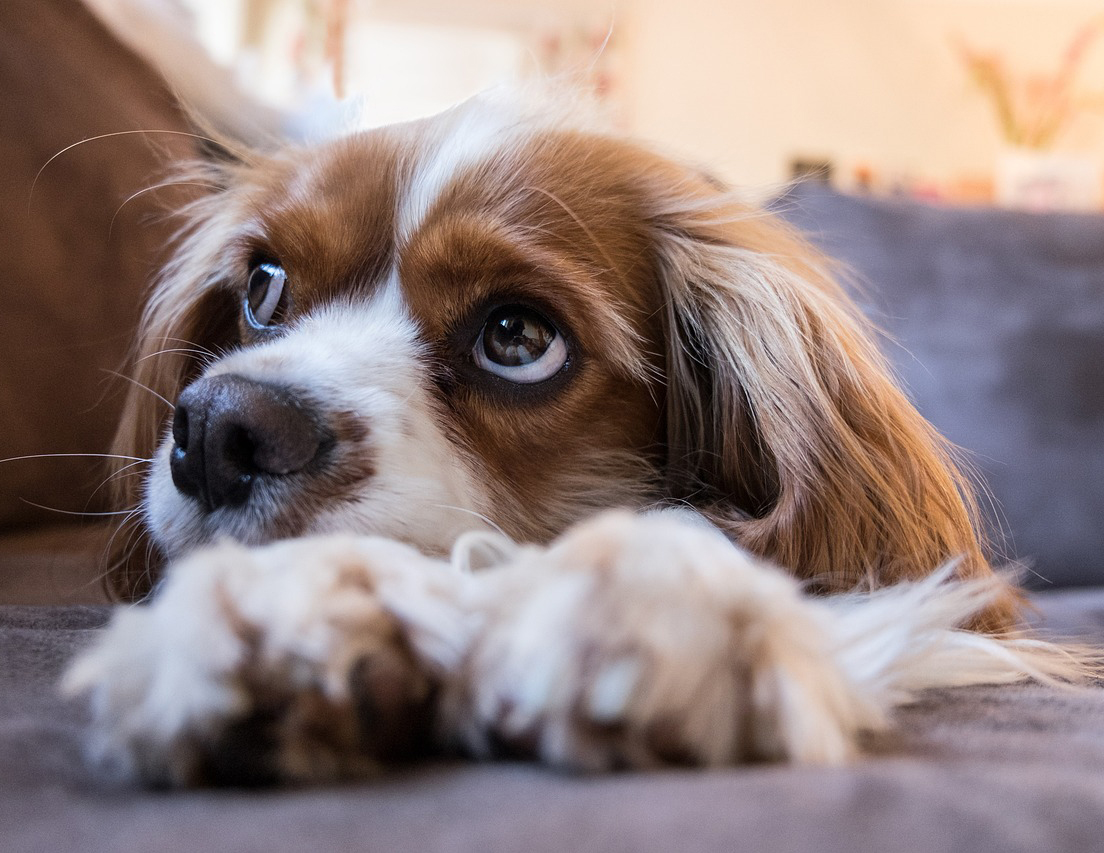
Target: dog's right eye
[[266, 296], [520, 345]]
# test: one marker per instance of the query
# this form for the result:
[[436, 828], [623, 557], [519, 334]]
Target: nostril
[[231, 468], [186, 463], [180, 427], [239, 448]]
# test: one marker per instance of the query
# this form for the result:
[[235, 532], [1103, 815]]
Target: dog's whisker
[[106, 568], [600, 52], [485, 519], [130, 528], [67, 455], [190, 343], [147, 575], [123, 472], [126, 524], [81, 513], [578, 220], [193, 351], [143, 387], [143, 191], [199, 136]]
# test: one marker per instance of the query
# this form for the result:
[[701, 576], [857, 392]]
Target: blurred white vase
[[1030, 179]]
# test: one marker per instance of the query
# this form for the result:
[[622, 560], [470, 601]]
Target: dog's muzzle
[[231, 433]]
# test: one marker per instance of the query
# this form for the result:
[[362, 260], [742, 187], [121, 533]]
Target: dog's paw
[[641, 641], [299, 661]]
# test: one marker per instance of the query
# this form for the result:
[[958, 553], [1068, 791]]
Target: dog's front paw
[[298, 661], [635, 642]]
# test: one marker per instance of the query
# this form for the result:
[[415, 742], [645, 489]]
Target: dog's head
[[495, 317]]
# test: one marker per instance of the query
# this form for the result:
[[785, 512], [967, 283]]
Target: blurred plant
[[585, 55], [336, 16], [321, 38], [1033, 110]]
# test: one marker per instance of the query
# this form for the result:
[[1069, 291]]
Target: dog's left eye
[[266, 296], [521, 345]]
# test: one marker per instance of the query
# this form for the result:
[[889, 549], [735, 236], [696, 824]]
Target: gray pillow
[[996, 327]]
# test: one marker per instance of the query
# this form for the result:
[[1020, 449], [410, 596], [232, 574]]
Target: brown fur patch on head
[[327, 215], [553, 222]]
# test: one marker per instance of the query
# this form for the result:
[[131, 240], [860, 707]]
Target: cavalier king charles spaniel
[[495, 432]]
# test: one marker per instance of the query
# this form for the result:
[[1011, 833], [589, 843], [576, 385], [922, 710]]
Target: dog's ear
[[190, 318], [784, 423]]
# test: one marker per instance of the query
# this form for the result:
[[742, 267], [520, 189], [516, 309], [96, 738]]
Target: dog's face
[[429, 325], [494, 318]]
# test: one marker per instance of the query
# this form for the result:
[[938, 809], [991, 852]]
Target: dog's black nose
[[230, 431]]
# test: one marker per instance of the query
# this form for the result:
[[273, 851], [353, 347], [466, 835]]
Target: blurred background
[[964, 101]]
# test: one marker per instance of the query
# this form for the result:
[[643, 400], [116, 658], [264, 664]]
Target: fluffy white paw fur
[[289, 662], [637, 642], [630, 642]]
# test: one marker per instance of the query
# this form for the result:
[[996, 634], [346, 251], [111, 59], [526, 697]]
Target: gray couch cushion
[[997, 323]]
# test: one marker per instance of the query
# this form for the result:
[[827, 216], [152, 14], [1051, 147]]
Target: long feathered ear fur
[[784, 423], [190, 318]]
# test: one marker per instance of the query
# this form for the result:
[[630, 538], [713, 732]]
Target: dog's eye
[[519, 344], [266, 297]]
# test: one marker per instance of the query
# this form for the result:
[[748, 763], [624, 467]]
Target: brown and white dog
[[393, 354]]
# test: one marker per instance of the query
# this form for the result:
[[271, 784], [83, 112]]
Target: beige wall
[[745, 85], [742, 86]]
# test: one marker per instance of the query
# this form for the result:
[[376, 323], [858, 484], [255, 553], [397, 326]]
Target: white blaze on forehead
[[477, 129], [468, 135]]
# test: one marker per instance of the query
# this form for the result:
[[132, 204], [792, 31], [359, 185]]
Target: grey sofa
[[997, 318]]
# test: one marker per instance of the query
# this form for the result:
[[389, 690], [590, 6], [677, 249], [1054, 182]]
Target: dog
[[497, 432]]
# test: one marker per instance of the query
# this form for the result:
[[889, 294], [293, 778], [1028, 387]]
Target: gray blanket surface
[[980, 769]]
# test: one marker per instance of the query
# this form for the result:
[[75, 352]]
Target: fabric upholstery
[[984, 770], [76, 254], [55, 565]]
